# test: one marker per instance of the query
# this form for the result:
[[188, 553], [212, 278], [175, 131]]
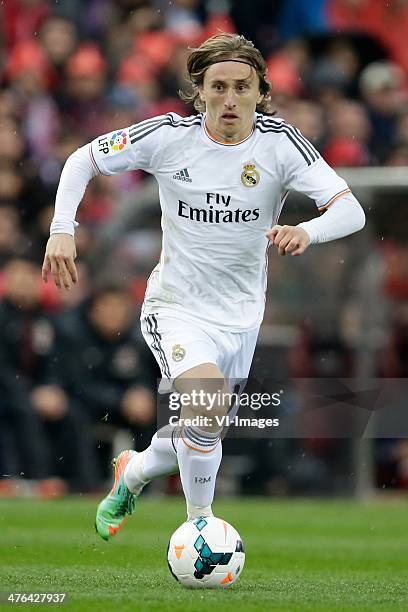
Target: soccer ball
[[206, 552]]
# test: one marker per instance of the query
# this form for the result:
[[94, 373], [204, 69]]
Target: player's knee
[[210, 404]]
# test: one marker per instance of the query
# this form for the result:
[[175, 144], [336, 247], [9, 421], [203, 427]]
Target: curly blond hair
[[222, 47]]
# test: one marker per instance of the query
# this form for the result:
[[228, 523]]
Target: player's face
[[231, 92]]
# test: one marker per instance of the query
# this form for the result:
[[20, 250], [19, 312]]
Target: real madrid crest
[[178, 352], [250, 176]]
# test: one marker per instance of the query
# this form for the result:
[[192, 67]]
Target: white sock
[[199, 456], [159, 459], [196, 511]]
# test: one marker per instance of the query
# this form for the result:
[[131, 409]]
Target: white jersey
[[217, 202]]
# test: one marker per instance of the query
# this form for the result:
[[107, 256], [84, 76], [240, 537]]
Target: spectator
[[11, 238], [83, 101], [12, 148], [58, 38], [287, 67], [349, 130], [381, 85], [51, 435], [11, 185], [348, 119], [308, 117], [327, 83], [104, 363]]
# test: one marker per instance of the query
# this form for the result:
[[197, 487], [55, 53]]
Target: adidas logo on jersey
[[183, 175]]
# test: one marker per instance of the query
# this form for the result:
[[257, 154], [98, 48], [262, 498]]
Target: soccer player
[[224, 175]]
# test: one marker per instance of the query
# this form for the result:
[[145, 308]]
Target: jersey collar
[[225, 144]]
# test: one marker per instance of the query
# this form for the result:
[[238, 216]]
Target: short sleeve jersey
[[217, 203]]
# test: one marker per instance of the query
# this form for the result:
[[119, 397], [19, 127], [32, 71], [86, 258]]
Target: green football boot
[[113, 511]]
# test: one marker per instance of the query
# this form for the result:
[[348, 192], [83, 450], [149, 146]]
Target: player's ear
[[201, 93]]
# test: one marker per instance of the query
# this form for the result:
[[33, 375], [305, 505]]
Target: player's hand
[[59, 260], [289, 239]]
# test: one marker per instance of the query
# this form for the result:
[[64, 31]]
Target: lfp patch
[[118, 141], [113, 143]]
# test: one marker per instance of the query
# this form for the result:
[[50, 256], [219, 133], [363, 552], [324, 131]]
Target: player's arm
[[345, 216], [60, 252], [305, 171], [127, 149]]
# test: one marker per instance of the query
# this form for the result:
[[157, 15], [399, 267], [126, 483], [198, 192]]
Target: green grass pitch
[[300, 555]]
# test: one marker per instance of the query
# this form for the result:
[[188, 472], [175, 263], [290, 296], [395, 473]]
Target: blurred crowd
[[71, 70]]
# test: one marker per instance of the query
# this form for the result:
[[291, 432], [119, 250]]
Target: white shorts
[[179, 345]]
